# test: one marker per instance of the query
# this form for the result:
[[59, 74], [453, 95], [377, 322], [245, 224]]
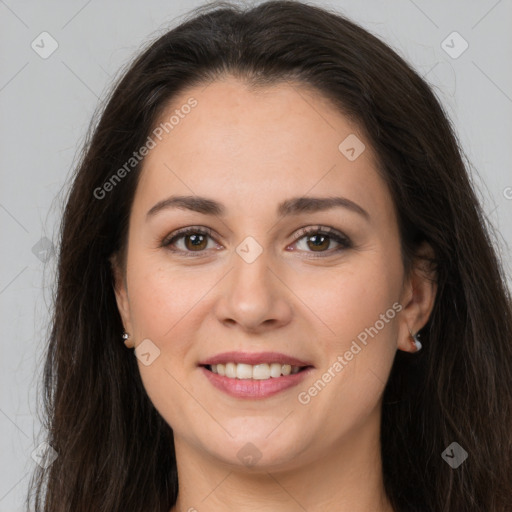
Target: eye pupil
[[321, 244], [196, 240]]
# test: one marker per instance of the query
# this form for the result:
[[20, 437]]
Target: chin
[[257, 448]]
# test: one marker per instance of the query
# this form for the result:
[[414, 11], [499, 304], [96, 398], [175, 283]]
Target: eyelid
[[325, 230], [343, 241], [180, 233], [186, 231]]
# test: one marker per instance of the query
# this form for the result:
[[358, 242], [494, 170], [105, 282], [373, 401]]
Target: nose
[[254, 296]]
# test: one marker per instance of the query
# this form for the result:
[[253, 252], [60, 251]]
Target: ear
[[121, 293], [418, 297]]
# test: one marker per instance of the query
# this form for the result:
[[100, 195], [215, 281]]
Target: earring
[[126, 336], [415, 341]]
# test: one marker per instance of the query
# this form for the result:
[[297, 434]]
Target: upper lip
[[253, 358]]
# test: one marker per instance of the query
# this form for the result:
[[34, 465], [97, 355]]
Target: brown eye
[[195, 241], [318, 242], [188, 241]]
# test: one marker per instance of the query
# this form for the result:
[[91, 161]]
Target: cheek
[[168, 306], [351, 298], [165, 305], [359, 305], [159, 294]]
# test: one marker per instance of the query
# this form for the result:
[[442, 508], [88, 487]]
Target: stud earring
[[126, 336], [415, 341]]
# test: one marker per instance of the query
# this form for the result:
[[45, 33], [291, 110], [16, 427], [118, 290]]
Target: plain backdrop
[[47, 100]]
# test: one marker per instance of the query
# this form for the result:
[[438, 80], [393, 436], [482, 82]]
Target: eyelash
[[343, 241]]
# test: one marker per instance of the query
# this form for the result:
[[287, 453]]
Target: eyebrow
[[294, 206]]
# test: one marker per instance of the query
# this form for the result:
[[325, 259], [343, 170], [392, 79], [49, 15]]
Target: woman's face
[[293, 263]]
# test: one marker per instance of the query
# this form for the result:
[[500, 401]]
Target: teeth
[[243, 371], [275, 370], [257, 372], [231, 370]]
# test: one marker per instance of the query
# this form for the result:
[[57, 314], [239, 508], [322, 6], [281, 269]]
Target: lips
[[254, 375], [253, 388]]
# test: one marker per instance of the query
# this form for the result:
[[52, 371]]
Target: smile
[[262, 371], [252, 375]]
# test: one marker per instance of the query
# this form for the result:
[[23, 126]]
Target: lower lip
[[250, 388]]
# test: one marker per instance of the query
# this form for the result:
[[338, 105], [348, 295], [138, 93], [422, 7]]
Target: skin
[[251, 150]]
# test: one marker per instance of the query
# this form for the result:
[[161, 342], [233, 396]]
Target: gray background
[[46, 105]]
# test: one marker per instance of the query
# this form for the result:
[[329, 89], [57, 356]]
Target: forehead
[[249, 146]]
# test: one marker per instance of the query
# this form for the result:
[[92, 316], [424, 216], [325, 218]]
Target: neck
[[346, 478]]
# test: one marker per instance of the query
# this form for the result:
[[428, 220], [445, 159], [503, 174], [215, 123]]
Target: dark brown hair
[[115, 452]]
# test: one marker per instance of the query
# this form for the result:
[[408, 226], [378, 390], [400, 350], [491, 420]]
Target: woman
[[274, 214]]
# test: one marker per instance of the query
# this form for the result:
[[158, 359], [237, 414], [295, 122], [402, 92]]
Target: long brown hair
[[115, 452]]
